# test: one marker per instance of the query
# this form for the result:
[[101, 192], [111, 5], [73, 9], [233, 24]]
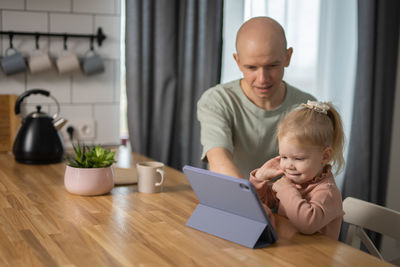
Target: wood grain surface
[[9, 122], [41, 224]]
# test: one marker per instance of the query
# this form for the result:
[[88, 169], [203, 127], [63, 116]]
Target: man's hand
[[220, 160], [271, 169]]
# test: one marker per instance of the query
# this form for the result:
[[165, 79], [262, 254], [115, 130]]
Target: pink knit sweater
[[312, 207]]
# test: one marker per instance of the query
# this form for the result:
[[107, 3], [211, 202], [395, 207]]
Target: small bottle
[[124, 154]]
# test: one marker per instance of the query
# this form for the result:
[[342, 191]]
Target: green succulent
[[91, 157]]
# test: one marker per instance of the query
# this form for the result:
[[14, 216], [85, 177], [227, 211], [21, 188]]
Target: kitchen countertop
[[41, 224]]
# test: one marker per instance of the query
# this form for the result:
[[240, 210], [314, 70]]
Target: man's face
[[263, 69]]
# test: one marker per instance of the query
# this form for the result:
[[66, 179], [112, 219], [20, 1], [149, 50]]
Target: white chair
[[364, 215]]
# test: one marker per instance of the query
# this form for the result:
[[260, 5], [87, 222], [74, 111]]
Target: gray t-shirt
[[228, 119]]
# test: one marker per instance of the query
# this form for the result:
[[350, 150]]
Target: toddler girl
[[310, 137]]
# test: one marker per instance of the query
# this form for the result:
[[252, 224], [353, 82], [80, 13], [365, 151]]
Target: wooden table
[[41, 224]]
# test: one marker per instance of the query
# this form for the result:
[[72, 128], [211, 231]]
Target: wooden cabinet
[[9, 122]]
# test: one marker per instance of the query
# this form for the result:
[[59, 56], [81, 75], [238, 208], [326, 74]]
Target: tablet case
[[229, 208]]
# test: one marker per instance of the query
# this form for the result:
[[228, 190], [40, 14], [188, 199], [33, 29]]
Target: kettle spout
[[59, 123]]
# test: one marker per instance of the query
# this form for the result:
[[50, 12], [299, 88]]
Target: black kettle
[[38, 140]]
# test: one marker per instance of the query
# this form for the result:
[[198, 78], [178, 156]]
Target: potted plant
[[89, 171]]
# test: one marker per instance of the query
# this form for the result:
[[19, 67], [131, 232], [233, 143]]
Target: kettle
[[38, 140]]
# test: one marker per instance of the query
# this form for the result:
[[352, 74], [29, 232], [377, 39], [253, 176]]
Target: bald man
[[238, 119]]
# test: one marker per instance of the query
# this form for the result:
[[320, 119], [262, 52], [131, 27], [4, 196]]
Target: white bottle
[[124, 154]]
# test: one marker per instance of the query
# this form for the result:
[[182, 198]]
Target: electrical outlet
[[84, 130]]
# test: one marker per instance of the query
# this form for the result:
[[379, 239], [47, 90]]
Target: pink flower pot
[[89, 181]]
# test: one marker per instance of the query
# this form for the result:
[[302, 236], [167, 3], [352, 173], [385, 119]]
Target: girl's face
[[302, 162]]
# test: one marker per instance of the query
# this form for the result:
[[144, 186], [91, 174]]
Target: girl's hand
[[281, 183], [271, 169]]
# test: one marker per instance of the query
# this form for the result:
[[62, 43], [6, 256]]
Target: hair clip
[[317, 106]]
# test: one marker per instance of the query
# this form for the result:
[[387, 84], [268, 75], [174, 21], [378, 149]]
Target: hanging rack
[[100, 37]]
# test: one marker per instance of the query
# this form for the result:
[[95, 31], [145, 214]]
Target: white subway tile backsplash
[[75, 45], [118, 7], [111, 26], [13, 84], [71, 23], [49, 5], [69, 111], [12, 4], [91, 6], [78, 24], [91, 97], [117, 81], [72, 113], [24, 21], [107, 118], [58, 86], [98, 88]]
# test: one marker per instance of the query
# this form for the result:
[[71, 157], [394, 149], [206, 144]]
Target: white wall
[[88, 98]]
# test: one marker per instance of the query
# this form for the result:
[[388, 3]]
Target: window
[[324, 38], [123, 100]]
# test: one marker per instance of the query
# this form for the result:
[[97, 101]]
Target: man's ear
[[327, 155], [236, 58], [288, 56]]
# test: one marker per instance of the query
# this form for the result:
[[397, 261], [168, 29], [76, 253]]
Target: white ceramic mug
[[39, 61], [150, 176], [67, 62]]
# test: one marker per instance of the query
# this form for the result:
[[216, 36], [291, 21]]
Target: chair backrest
[[364, 215]]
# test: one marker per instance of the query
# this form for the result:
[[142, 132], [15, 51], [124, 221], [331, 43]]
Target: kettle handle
[[35, 91], [21, 97]]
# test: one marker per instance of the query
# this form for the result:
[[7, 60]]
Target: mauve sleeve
[[266, 195], [310, 214], [264, 190]]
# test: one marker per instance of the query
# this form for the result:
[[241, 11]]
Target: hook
[[11, 34], [91, 43], [37, 35], [65, 41]]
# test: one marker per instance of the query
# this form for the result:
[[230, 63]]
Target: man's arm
[[220, 160]]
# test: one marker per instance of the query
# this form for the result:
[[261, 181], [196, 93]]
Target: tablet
[[229, 208]]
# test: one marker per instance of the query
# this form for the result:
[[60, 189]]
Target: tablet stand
[[232, 227]]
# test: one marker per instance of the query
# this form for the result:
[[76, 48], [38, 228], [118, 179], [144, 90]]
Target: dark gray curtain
[[369, 148], [173, 54]]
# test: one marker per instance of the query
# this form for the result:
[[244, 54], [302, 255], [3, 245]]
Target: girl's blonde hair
[[318, 124]]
